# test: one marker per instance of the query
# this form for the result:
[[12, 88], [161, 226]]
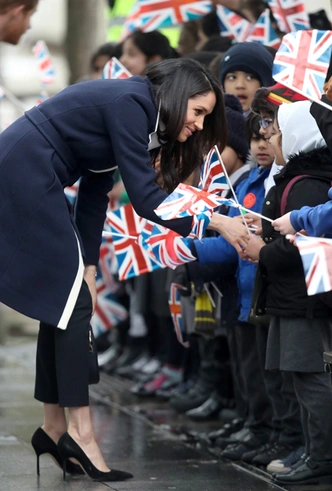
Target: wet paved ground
[[145, 438]]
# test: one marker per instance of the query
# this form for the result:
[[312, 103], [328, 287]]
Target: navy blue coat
[[86, 131]]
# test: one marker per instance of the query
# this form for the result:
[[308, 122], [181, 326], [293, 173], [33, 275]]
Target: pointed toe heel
[[43, 444], [68, 448]]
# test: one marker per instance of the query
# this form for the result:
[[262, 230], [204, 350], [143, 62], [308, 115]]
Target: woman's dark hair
[[174, 82], [252, 126], [152, 43]]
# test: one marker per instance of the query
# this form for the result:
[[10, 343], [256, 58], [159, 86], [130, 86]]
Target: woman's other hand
[[90, 278]]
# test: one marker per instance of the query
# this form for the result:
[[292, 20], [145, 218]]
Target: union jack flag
[[316, 255], [132, 258], [290, 15], [43, 96], [263, 31], [45, 65], [131, 23], [108, 312], [233, 25], [200, 224], [168, 247], [114, 70], [302, 61], [107, 263], [187, 200], [71, 192], [212, 178], [155, 14], [174, 302]]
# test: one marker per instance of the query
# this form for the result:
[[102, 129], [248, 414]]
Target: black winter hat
[[236, 125], [250, 58]]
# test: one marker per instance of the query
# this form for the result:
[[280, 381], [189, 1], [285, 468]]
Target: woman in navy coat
[[48, 256]]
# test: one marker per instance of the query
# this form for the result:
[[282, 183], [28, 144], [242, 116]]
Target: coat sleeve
[[281, 254], [128, 122], [215, 250], [316, 221], [90, 212]]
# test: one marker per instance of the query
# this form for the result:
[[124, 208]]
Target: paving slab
[[142, 437]]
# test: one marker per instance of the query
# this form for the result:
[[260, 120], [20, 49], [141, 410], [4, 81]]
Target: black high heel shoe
[[68, 448], [42, 444]]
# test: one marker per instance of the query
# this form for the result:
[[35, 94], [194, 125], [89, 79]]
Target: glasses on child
[[265, 122]]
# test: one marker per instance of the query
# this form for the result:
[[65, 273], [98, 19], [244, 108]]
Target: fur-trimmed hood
[[316, 163]]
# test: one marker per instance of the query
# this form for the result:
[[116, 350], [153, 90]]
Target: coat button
[[268, 202], [266, 239], [259, 311]]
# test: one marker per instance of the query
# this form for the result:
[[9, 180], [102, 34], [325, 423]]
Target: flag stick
[[113, 234], [321, 103], [230, 184], [257, 214]]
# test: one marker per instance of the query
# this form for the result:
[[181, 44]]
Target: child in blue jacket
[[250, 193]]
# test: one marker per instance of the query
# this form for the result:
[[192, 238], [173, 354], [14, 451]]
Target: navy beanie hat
[[236, 126], [250, 58]]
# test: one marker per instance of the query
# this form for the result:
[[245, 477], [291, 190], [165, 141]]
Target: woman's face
[[275, 142], [133, 58], [198, 107]]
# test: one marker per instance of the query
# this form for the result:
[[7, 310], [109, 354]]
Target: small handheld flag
[[114, 70]]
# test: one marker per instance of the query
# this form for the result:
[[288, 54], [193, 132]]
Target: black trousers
[[314, 392], [286, 419], [259, 418], [62, 363]]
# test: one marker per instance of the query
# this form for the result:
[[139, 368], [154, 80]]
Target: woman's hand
[[283, 225], [253, 247], [90, 278], [254, 222], [232, 229]]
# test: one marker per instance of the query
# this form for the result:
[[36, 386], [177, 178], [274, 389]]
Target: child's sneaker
[[285, 465]]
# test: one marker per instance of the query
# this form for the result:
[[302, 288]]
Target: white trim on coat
[[73, 295], [104, 170]]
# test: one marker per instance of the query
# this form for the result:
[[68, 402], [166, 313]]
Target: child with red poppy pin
[[250, 192]]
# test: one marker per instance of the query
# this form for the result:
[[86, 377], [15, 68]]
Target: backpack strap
[[289, 186], [286, 191]]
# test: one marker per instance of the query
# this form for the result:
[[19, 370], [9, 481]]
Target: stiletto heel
[[64, 469], [68, 448], [43, 444]]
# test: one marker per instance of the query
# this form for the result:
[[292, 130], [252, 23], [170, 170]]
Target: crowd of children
[[264, 357]]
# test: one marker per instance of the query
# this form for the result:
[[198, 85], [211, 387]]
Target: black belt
[[37, 118]]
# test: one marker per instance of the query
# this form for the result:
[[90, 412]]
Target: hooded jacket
[[317, 221], [280, 260], [305, 149], [250, 192]]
